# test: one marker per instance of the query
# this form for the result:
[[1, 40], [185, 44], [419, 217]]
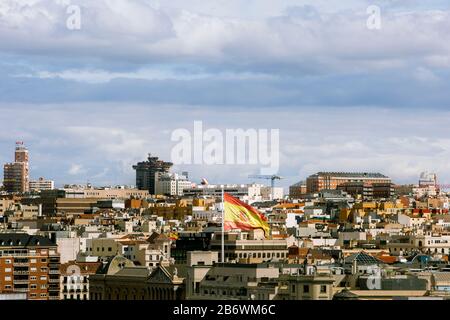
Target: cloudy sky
[[92, 101]]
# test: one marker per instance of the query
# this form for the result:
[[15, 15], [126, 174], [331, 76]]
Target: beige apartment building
[[307, 287], [250, 247], [75, 279], [233, 281], [430, 243], [42, 184]]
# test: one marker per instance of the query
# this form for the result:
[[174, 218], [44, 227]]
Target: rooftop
[[362, 258], [23, 240], [352, 174]]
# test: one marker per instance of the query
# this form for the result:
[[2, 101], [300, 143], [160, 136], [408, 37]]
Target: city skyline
[[224, 158], [199, 180], [345, 97]]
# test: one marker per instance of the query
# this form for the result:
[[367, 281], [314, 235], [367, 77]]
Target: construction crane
[[272, 179]]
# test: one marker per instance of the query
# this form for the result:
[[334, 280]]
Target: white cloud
[[104, 145], [425, 75], [314, 46], [104, 76], [75, 169], [324, 38]]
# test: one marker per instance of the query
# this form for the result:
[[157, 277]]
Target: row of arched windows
[[153, 293]]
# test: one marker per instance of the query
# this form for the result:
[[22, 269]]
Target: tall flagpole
[[223, 228]]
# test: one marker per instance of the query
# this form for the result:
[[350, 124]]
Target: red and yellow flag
[[239, 215]]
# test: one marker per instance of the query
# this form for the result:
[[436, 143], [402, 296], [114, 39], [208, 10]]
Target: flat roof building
[[146, 172], [16, 175], [331, 180], [42, 184]]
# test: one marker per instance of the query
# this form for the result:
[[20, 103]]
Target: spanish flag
[[173, 236], [239, 215]]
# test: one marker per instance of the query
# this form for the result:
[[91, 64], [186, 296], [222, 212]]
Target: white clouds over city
[[91, 102]]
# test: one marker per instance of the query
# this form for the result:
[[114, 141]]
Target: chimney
[[354, 267]]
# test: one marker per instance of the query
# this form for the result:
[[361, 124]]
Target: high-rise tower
[[146, 170], [17, 174]]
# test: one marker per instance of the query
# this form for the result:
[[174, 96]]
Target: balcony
[[14, 255], [21, 272], [21, 264], [53, 280], [54, 272], [22, 281]]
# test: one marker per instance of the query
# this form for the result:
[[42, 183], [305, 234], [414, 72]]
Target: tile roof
[[85, 267]]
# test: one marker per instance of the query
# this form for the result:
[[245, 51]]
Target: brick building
[[16, 175], [29, 264], [331, 180]]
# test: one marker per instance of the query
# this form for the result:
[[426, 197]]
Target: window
[[33, 286], [7, 278], [43, 278], [33, 260], [293, 288], [323, 289], [43, 260], [109, 249], [7, 269], [306, 288]]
